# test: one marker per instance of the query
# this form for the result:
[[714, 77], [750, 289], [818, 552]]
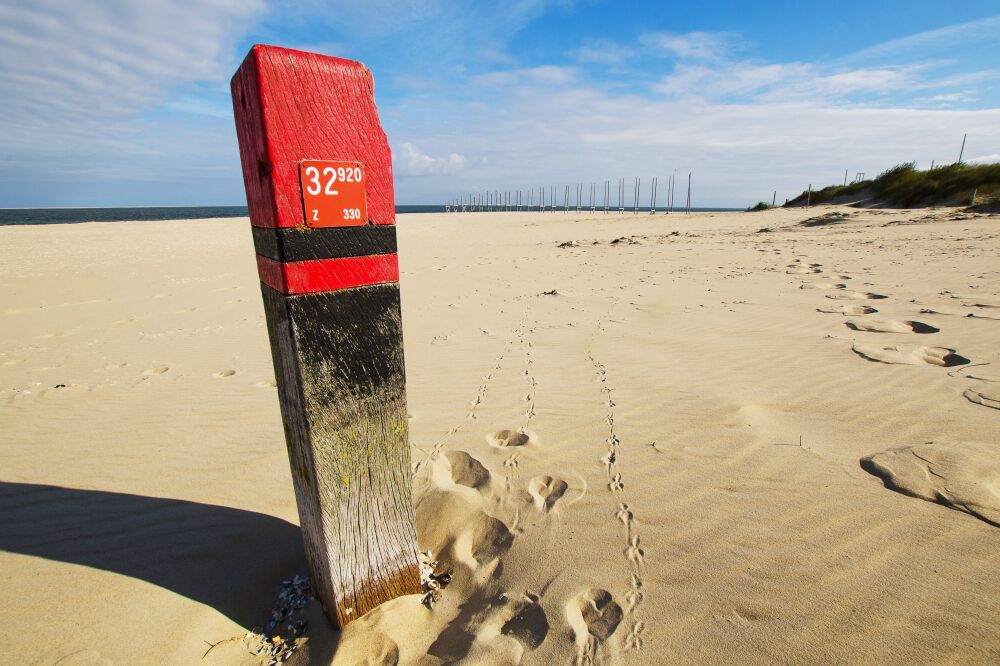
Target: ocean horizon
[[33, 216]]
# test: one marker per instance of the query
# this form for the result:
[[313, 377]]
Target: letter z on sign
[[333, 193]]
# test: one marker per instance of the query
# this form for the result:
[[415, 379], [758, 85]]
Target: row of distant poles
[[519, 200]]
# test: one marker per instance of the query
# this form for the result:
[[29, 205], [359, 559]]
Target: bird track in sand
[[598, 603]]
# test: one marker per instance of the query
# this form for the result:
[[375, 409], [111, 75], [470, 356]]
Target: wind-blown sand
[[636, 439]]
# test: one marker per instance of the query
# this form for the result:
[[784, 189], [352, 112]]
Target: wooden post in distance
[[318, 177]]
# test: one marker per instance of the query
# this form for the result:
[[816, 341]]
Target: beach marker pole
[[845, 177], [774, 198], [809, 196], [689, 193], [962, 151], [607, 195], [652, 199], [318, 176]]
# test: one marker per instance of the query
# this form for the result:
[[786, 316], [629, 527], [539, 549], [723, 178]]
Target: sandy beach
[[710, 438]]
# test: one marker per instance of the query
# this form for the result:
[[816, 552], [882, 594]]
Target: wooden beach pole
[[318, 177], [689, 194]]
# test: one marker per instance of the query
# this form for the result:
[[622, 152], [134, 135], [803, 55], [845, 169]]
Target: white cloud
[[691, 45], [985, 159], [543, 135], [604, 52], [797, 80], [730, 79], [408, 160], [84, 85], [73, 71], [963, 96], [965, 34]]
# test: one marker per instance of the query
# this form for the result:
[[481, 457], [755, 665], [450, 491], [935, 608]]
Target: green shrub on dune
[[905, 186]]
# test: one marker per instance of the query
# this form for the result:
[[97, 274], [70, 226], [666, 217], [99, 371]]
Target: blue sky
[[125, 103]]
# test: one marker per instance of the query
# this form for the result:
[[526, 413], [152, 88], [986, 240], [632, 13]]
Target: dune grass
[[830, 192], [903, 185]]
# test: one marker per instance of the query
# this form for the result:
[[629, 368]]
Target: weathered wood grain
[[331, 301]]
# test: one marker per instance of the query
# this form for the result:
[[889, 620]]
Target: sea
[[16, 216]]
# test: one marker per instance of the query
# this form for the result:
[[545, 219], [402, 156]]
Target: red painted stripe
[[310, 277]]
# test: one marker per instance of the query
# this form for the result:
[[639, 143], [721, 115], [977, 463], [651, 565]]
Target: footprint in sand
[[488, 539], [546, 491], [823, 285], [890, 326], [802, 270], [634, 552], [849, 310], [524, 620], [987, 396], [634, 639], [505, 438], [460, 468], [845, 294], [223, 373], [594, 615], [452, 521], [964, 476], [156, 370], [910, 355]]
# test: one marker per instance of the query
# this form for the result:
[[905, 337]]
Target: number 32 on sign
[[333, 193]]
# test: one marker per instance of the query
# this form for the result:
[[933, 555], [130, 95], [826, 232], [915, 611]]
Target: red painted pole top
[[294, 107]]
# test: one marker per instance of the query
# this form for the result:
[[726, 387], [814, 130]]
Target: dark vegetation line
[[904, 186]]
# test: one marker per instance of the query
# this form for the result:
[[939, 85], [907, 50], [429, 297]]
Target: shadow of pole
[[229, 559]]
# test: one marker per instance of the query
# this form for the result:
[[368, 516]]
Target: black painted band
[[295, 244]]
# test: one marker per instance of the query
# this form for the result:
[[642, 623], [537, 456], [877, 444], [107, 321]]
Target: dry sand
[[670, 439]]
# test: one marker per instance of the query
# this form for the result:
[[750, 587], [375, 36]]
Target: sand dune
[[635, 440]]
